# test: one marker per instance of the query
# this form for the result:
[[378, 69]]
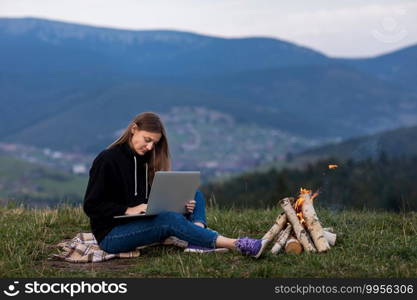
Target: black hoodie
[[118, 180]]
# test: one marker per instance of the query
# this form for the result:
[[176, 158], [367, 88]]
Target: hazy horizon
[[338, 29]]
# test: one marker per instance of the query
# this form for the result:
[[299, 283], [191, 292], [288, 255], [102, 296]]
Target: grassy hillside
[[369, 244], [382, 183], [24, 181], [394, 143]]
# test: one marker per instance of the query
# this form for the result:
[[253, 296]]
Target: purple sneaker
[[250, 246], [200, 249]]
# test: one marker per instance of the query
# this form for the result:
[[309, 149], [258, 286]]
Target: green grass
[[369, 244], [31, 182]]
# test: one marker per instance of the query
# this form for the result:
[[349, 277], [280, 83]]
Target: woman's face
[[143, 141]]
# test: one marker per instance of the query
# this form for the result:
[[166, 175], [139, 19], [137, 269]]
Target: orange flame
[[299, 203], [333, 167]]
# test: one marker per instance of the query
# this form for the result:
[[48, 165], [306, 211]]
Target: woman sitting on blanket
[[120, 180]]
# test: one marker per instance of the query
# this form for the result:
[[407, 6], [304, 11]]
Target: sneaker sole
[[218, 250], [263, 246]]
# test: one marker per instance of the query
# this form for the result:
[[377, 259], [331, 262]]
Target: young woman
[[120, 181]]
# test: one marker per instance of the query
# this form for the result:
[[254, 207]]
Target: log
[[280, 222], [293, 245], [299, 230], [330, 237], [282, 239], [329, 229], [313, 224]]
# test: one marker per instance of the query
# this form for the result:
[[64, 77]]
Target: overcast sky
[[349, 28]]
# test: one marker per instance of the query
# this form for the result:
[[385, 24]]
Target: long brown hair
[[160, 158]]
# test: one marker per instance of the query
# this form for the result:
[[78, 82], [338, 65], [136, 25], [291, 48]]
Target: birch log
[[282, 239], [330, 237], [329, 229], [280, 222], [299, 230], [293, 245], [313, 223]]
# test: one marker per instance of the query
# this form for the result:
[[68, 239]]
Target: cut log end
[[293, 246], [330, 237]]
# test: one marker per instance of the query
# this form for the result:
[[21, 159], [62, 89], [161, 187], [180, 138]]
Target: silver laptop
[[170, 192]]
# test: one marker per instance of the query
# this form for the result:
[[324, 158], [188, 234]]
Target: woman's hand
[[189, 206], [138, 209]]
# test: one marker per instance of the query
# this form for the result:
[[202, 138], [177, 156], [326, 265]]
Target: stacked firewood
[[298, 227]]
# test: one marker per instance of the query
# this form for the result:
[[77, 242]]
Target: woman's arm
[[97, 200]]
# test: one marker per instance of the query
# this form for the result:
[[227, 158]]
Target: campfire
[[298, 227]]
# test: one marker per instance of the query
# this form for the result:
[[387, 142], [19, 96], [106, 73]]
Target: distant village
[[200, 139]]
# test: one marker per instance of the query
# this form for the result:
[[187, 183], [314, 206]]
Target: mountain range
[[393, 143], [71, 87]]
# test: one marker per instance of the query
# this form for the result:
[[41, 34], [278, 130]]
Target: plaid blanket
[[84, 248]]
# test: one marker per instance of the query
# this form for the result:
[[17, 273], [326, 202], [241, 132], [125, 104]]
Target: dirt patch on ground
[[117, 264]]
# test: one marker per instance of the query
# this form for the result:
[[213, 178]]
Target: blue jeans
[[145, 231]]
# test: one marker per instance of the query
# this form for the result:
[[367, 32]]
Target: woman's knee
[[109, 247], [170, 217], [199, 196]]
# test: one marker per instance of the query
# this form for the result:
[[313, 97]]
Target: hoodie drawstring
[[136, 178], [146, 196]]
